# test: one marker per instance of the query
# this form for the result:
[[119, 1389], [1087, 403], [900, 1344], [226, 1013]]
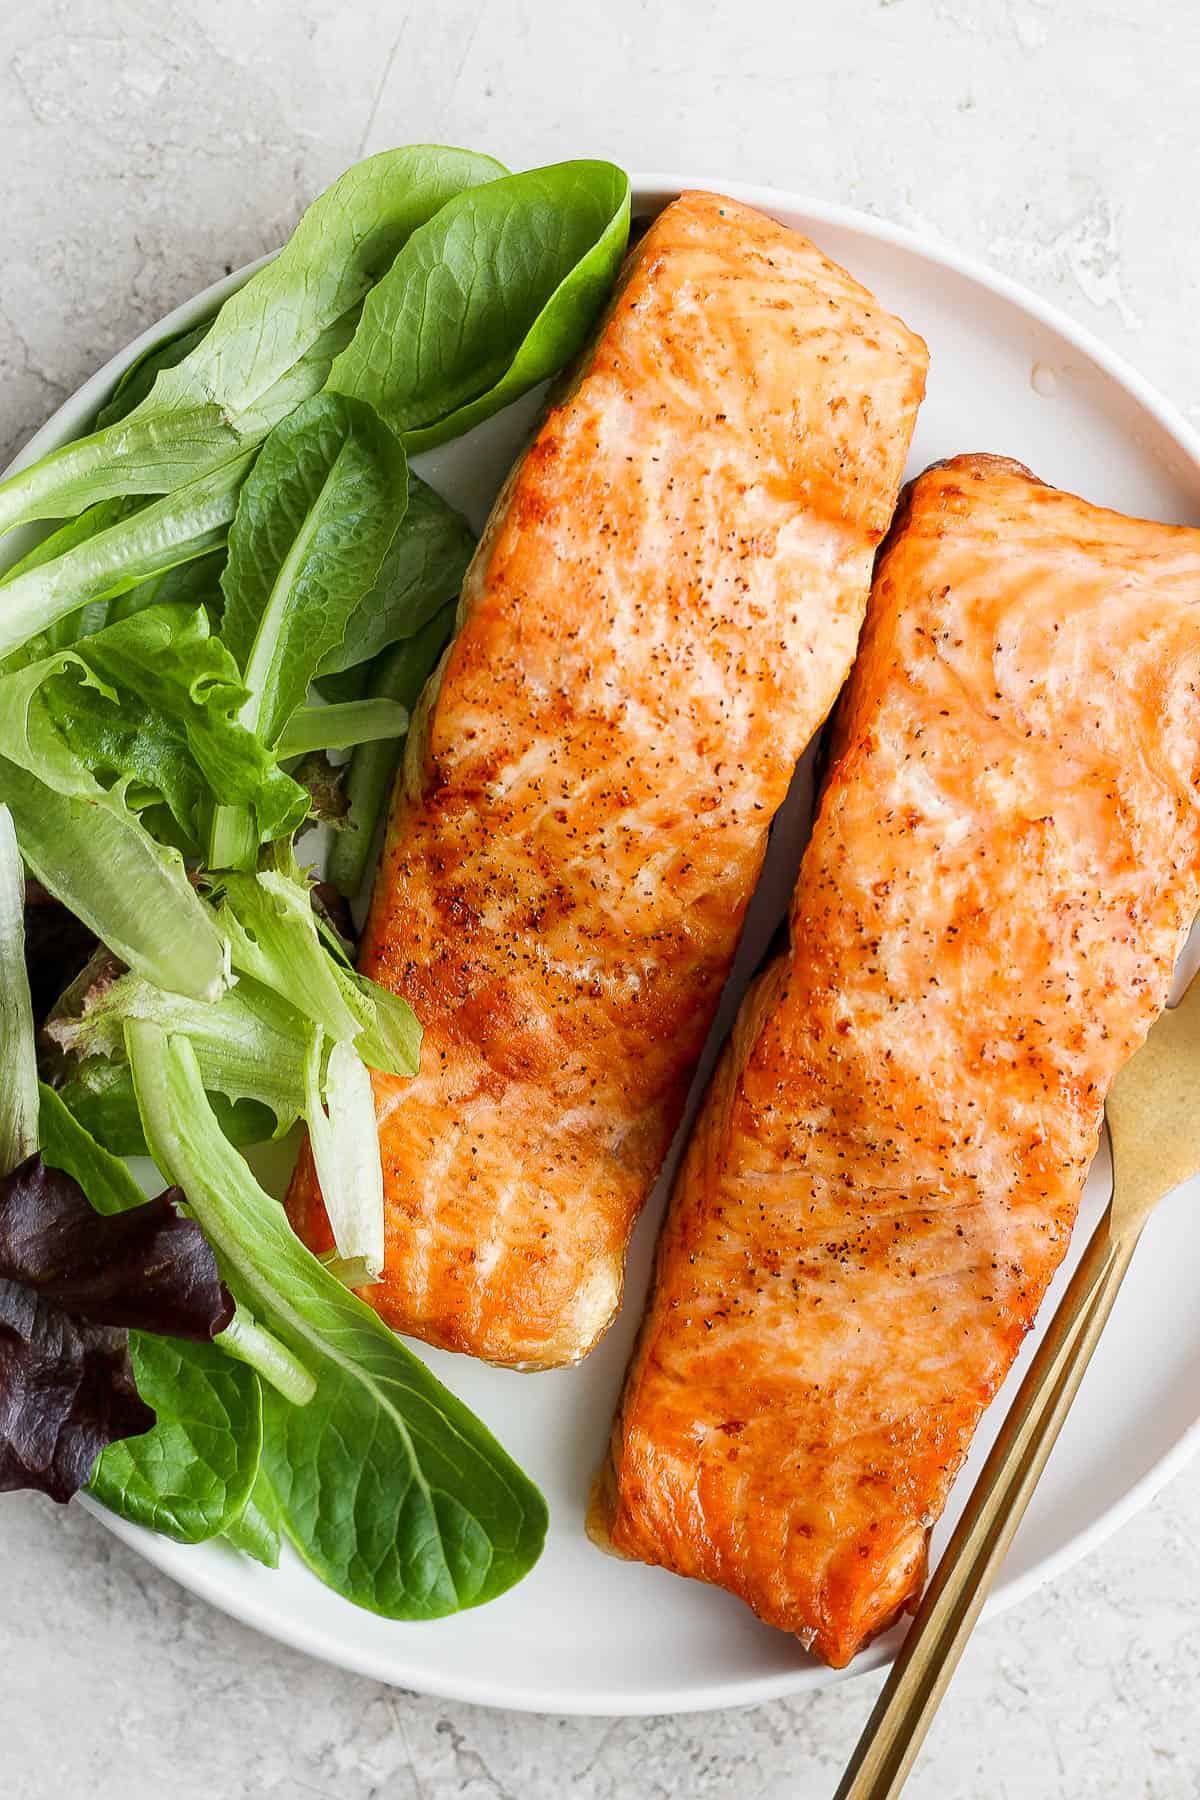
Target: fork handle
[[946, 1617]]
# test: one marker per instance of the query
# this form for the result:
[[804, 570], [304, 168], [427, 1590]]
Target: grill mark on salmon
[[659, 616], [887, 1168]]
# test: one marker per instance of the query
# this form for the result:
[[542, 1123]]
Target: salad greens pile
[[228, 584]]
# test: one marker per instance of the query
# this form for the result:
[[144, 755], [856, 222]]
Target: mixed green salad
[[230, 583]]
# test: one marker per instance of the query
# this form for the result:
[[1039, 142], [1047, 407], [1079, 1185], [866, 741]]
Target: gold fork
[[1154, 1127]]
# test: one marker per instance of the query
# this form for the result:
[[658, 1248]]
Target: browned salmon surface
[[886, 1171], [660, 614]]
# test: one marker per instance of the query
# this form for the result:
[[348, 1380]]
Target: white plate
[[585, 1633]]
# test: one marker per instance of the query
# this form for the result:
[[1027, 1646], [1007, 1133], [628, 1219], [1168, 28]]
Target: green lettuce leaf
[[340, 1108], [70, 626], [195, 583], [137, 380], [313, 523], [273, 937], [87, 846], [191, 1477], [343, 725], [186, 722], [312, 527], [140, 544], [100, 1095], [250, 1044], [154, 700]]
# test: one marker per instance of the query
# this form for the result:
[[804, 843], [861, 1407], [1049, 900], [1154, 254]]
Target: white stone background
[[146, 146]]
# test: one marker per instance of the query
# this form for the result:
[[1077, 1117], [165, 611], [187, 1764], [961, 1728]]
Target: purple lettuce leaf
[[66, 1391], [73, 1283]]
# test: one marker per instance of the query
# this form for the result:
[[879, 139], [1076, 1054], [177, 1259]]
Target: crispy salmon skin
[[885, 1173], [660, 614]]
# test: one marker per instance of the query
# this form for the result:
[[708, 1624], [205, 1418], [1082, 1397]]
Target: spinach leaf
[[258, 1528], [391, 1490], [18, 1063], [493, 295], [399, 675], [173, 530], [191, 1474], [341, 246], [423, 568], [269, 347]]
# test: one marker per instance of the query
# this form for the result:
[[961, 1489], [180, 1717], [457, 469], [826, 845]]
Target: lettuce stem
[[233, 840], [18, 1061], [252, 1344]]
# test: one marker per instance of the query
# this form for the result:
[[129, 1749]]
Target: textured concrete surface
[[146, 145]]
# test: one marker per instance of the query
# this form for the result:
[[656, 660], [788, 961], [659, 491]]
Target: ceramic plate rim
[[215, 1578]]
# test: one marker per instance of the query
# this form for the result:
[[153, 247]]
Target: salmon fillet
[[886, 1171], [659, 616]]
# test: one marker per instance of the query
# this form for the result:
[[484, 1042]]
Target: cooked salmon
[[661, 611], [885, 1174]]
